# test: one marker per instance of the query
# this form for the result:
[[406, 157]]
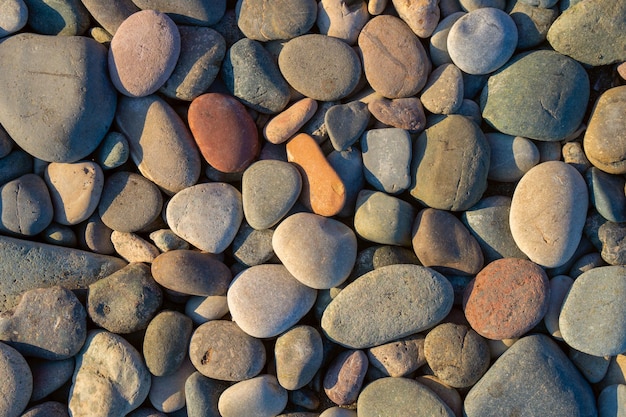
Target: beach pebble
[[345, 123], [607, 194], [546, 231], [95, 236], [342, 19], [17, 382], [110, 377], [400, 357], [422, 295], [438, 43], [266, 20], [422, 16], [384, 219], [26, 206], [14, 15], [349, 167], [194, 12], [586, 263], [339, 411], [48, 376], [146, 412], [574, 155], [219, 349], [203, 309], [266, 300], [469, 5], [611, 236], [126, 300], [403, 113], [143, 53], [394, 61], [593, 368], [252, 247], [166, 240], [532, 21], [616, 372], [113, 151], [298, 354], [287, 123], [167, 392], [443, 92], [559, 287], [66, 18], [166, 342], [260, 396], [202, 395], [206, 215], [14, 165], [507, 298], [446, 393], [611, 401], [344, 376], [511, 157], [47, 409], [387, 159]]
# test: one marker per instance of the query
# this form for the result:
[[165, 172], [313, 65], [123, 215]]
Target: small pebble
[[607, 194], [26, 206], [574, 155], [403, 113], [298, 354], [341, 19], [261, 396], [48, 376], [95, 236], [278, 20], [166, 240], [202, 309], [133, 248], [438, 43], [344, 377], [446, 393], [57, 234], [166, 341], [47, 409], [287, 123], [559, 287], [382, 218], [14, 165], [400, 357], [18, 382], [167, 393], [387, 159], [14, 15], [511, 157], [443, 93], [113, 151], [593, 368], [422, 16], [202, 395], [612, 400], [345, 123]]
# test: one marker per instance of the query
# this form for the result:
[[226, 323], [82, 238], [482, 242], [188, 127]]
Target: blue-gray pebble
[[345, 123], [607, 194], [387, 159]]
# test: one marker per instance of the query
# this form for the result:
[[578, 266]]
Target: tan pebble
[[422, 16], [448, 395], [621, 70], [403, 113], [376, 7], [287, 123], [133, 248]]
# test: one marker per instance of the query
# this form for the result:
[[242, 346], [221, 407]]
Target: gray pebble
[[166, 342], [95, 236], [58, 234], [438, 43], [612, 400], [203, 309], [298, 354], [443, 92], [26, 206], [48, 376], [532, 21], [167, 392], [17, 383], [345, 123], [252, 247], [113, 151], [66, 18], [387, 159], [202, 395], [166, 240], [593, 368], [607, 194], [47, 409], [349, 166], [261, 396], [384, 219], [194, 12], [559, 287], [611, 235], [265, 20], [511, 157], [14, 165]]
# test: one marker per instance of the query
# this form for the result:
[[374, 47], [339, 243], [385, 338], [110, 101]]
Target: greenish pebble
[[113, 151]]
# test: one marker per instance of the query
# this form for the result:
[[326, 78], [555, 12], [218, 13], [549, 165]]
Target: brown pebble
[[404, 113], [287, 123], [449, 395], [345, 376], [400, 357]]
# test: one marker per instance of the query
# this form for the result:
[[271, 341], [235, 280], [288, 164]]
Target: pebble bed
[[312, 208]]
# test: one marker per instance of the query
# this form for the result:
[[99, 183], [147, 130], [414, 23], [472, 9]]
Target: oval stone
[[261, 396], [382, 218], [13, 17], [266, 20], [194, 12], [298, 353], [287, 123], [403, 113], [17, 384], [166, 342], [511, 157], [344, 376], [387, 159], [409, 299], [400, 357], [26, 206], [345, 123], [548, 213], [48, 376], [607, 194], [320, 67], [266, 300], [443, 93]]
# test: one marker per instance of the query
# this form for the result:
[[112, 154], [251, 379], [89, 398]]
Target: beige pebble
[[287, 123], [133, 248]]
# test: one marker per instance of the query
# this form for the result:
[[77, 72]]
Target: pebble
[[606, 192], [47, 409], [616, 372], [166, 240], [443, 92], [574, 155], [510, 385], [143, 53], [559, 287], [546, 231], [167, 393], [341, 19], [400, 357], [316, 126], [125, 301], [320, 67], [195, 12], [446, 393], [298, 354], [549, 105], [113, 151], [202, 51], [202, 395], [95, 236], [76, 124], [394, 61], [591, 318], [166, 342], [422, 16], [611, 401], [219, 349], [384, 219], [14, 165], [344, 376], [323, 192], [68, 18], [586, 263], [260, 396], [387, 159], [318, 251], [422, 295], [252, 247], [339, 411], [250, 73], [400, 397], [110, 377], [265, 20], [287, 123], [593, 368], [17, 383], [133, 248], [160, 144], [26, 206], [349, 167], [403, 113], [206, 215], [511, 157], [203, 309], [445, 177], [507, 298], [438, 43], [14, 17], [111, 16], [469, 5], [346, 123], [48, 376], [611, 235], [533, 22], [442, 242]]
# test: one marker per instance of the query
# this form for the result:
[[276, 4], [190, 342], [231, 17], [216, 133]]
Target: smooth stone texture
[[206, 215], [442, 242], [608, 121], [510, 385], [559, 287], [113, 151], [528, 97], [219, 349], [260, 396], [269, 189], [287, 123], [166, 240], [344, 376], [252, 247], [110, 378], [450, 177], [422, 16], [202, 395], [469, 5], [443, 92], [345, 123], [57, 66], [592, 317], [203, 309], [13, 16], [342, 19], [400, 357], [191, 272], [298, 354], [95, 236], [403, 113], [320, 67], [167, 393], [507, 298], [600, 43], [133, 248], [409, 299], [17, 382], [61, 18], [251, 74], [349, 167], [201, 53], [611, 401], [48, 376], [47, 409], [446, 393], [166, 342], [616, 372], [488, 222], [511, 157], [482, 41], [48, 323], [586, 263], [266, 20], [593, 368], [14, 165], [394, 61], [224, 132], [266, 300], [194, 12], [318, 251], [384, 219], [532, 23], [339, 411], [112, 14], [611, 236], [549, 229], [438, 43], [387, 159], [125, 301], [316, 126], [146, 412], [26, 206], [143, 53], [574, 155], [387, 397]]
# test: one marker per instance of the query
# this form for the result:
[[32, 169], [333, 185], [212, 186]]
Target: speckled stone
[[298, 353], [95, 236], [113, 151], [511, 157], [111, 15], [387, 159], [611, 236], [265, 20], [261, 396], [400, 357], [194, 12], [384, 219], [48, 376], [443, 92], [17, 383], [422, 16], [340, 19], [344, 376], [252, 247], [403, 113], [14, 16], [345, 123], [26, 206], [288, 122], [166, 342]]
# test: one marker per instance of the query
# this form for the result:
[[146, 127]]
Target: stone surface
[[345, 123], [559, 287], [287, 123], [611, 236], [261, 396], [17, 382], [298, 354], [606, 194], [48, 376], [344, 376], [167, 393], [349, 166], [438, 44], [548, 213], [113, 151], [593, 368], [39, 69], [194, 12], [409, 299], [166, 342], [166, 240], [446, 393], [511, 157], [532, 22], [62, 18], [387, 159], [278, 19], [47, 409], [133, 248], [574, 155], [202, 395], [252, 247], [381, 218], [14, 16], [443, 92], [111, 15], [403, 113], [400, 357], [342, 19], [26, 206], [14, 165], [422, 16], [611, 401], [203, 309], [95, 236], [507, 298]]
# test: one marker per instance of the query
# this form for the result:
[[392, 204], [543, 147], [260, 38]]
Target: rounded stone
[[95, 236], [559, 287], [422, 16], [26, 206], [113, 151], [318, 251], [17, 384], [219, 349], [448, 395], [261, 396], [612, 400], [266, 20], [202, 395], [143, 53], [532, 22], [349, 167], [206, 215], [298, 353], [13, 16], [14, 165], [457, 354], [409, 299], [167, 392], [387, 159], [146, 412], [482, 41], [203, 309], [438, 44], [344, 376], [320, 67], [403, 113], [133, 248], [342, 20], [166, 342], [47, 409], [394, 61], [339, 411], [194, 12], [400, 357], [507, 298], [606, 192], [129, 202], [345, 123], [511, 157], [443, 92], [548, 213], [166, 240], [382, 218], [611, 236], [48, 376], [287, 123], [593, 368]]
